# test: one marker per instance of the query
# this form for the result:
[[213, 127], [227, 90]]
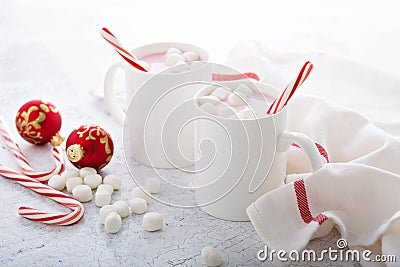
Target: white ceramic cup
[[151, 107], [239, 160]]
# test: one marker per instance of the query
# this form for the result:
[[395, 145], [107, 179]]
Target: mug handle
[[286, 139], [110, 96]]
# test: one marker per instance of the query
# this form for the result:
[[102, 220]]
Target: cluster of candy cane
[[32, 179]]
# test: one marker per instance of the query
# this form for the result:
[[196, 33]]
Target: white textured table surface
[[53, 51]]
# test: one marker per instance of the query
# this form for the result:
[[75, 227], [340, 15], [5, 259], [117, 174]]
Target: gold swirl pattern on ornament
[[28, 128], [96, 130]]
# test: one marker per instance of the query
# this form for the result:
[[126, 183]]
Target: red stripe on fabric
[[321, 149], [302, 204]]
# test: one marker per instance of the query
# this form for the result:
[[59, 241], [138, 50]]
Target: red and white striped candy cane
[[44, 190], [131, 59], [285, 96], [23, 162]]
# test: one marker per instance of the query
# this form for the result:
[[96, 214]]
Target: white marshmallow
[[69, 174], [152, 221], [235, 100], [113, 180], [207, 99], [211, 256], [113, 223], [85, 171], [57, 182], [106, 187], [72, 182], [226, 112], [153, 185], [209, 108], [122, 208], [173, 50], [221, 93], [102, 198], [82, 193], [92, 180], [138, 192], [104, 211], [181, 66], [172, 59], [246, 113], [245, 90], [138, 205], [190, 56]]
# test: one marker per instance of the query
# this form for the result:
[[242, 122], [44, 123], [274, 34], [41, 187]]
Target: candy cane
[[44, 190], [282, 100], [23, 162], [131, 59]]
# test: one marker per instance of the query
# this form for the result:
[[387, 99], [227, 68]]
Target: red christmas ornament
[[89, 146], [39, 122]]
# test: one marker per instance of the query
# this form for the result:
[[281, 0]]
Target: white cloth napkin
[[358, 192]]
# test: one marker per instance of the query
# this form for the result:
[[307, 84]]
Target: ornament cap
[[75, 152], [57, 139]]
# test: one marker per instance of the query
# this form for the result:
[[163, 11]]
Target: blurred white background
[[365, 30]]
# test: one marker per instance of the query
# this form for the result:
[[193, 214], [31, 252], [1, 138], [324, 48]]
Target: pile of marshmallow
[[111, 215], [80, 184], [221, 102], [181, 61]]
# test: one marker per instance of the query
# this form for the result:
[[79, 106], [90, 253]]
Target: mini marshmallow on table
[[69, 174], [102, 198], [105, 211], [106, 187], [153, 185], [152, 221], [85, 171], [138, 192], [211, 256], [113, 223], [92, 180], [138, 205], [122, 208], [57, 182], [72, 182], [113, 180], [82, 193]]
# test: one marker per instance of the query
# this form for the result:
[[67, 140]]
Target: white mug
[[242, 159], [152, 103]]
